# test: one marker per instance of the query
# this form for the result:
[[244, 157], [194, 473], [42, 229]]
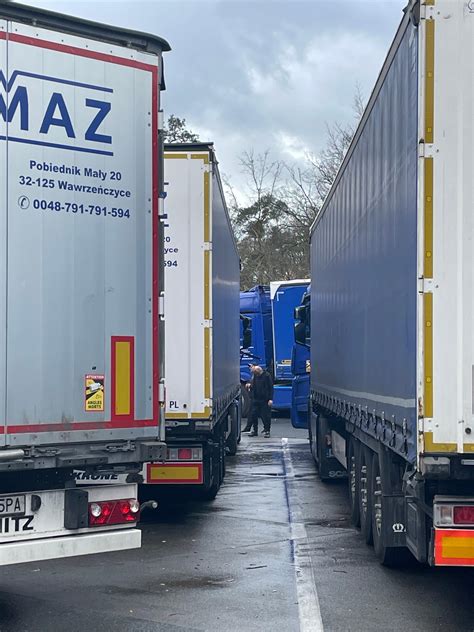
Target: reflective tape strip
[[203, 157], [431, 446], [207, 285], [123, 377], [429, 80], [454, 547], [428, 219], [204, 415], [207, 206], [428, 354], [175, 473], [207, 362]]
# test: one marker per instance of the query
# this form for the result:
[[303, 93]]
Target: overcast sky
[[261, 73]]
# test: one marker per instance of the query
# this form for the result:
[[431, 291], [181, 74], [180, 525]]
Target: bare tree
[[273, 228]]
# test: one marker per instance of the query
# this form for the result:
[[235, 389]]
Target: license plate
[[12, 505]]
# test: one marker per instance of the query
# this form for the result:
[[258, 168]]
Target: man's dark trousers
[[262, 410]]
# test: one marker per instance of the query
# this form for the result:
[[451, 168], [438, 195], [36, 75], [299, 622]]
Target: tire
[[310, 431], [322, 427], [239, 425], [392, 556], [353, 449], [218, 469], [222, 455], [232, 442], [365, 496], [245, 399], [211, 492]]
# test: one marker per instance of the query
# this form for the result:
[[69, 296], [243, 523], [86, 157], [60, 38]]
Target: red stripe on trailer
[[75, 50], [75, 426]]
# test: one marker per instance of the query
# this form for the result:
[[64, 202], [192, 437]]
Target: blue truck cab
[[301, 363], [256, 339], [267, 321], [285, 297]]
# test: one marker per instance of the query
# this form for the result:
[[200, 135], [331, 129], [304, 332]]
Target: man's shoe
[[247, 429], [253, 434], [267, 434]]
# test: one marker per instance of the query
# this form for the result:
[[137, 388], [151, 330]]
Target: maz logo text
[[72, 115]]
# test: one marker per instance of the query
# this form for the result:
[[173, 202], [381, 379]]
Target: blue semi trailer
[[267, 319], [392, 317]]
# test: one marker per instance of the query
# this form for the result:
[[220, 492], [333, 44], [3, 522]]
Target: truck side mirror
[[301, 313], [300, 332], [246, 332], [247, 339]]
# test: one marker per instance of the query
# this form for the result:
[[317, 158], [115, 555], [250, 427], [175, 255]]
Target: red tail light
[[107, 512], [464, 514], [185, 454]]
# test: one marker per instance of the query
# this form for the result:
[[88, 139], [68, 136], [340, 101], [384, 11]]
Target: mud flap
[[329, 466], [416, 532], [395, 532]]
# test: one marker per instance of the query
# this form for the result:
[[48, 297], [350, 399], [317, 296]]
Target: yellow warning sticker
[[94, 393]]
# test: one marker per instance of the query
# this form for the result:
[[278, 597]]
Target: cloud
[[263, 73]]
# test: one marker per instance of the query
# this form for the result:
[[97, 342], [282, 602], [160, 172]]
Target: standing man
[[261, 390]]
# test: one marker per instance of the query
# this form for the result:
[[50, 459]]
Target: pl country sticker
[[94, 393]]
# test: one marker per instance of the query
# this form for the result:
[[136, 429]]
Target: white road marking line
[[307, 595]]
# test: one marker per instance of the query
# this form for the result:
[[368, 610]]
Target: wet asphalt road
[[230, 565]]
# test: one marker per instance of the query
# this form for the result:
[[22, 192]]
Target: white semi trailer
[[82, 275], [202, 275]]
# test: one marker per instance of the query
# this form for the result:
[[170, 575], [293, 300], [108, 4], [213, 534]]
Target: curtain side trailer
[[392, 308]]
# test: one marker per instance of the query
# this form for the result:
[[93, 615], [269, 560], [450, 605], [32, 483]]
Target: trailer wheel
[[365, 495], [233, 438], [245, 399], [217, 473], [322, 429], [393, 556], [310, 430], [353, 450], [239, 424], [222, 455]]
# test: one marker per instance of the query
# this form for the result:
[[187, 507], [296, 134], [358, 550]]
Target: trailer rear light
[[185, 454], [443, 515], [451, 514], [464, 515], [113, 512]]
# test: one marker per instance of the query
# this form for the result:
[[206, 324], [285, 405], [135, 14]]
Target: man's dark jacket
[[262, 387]]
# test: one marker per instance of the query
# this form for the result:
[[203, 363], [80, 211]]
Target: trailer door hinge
[[161, 120], [161, 393], [161, 207], [161, 306], [425, 285]]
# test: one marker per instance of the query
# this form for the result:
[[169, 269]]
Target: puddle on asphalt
[[339, 523], [198, 582]]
